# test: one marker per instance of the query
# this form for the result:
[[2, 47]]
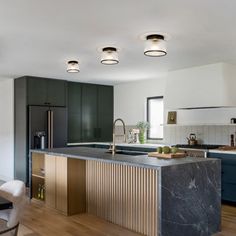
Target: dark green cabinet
[[20, 130], [90, 113], [228, 178], [29, 90], [56, 92], [42, 91], [74, 112], [36, 91], [105, 113]]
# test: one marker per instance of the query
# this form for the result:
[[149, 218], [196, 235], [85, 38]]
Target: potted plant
[[143, 126]]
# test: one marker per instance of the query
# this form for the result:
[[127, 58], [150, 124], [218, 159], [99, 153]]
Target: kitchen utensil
[[231, 140], [233, 120], [192, 139]]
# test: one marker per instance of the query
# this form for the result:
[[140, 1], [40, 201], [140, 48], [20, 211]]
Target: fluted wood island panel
[[124, 195]]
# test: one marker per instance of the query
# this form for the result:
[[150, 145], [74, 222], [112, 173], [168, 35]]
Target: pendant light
[[155, 45], [73, 67], [109, 56]]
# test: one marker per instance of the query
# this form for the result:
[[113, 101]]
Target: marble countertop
[[153, 145], [87, 153]]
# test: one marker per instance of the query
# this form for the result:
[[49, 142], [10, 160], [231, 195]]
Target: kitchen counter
[[148, 195], [101, 154]]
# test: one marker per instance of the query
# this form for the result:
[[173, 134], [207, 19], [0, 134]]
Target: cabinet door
[[61, 184], [228, 192], [74, 112], [56, 182], [37, 91], [228, 179], [56, 92], [89, 112], [50, 181], [21, 154], [105, 113], [228, 171]]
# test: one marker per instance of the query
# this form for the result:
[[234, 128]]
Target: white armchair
[[13, 191]]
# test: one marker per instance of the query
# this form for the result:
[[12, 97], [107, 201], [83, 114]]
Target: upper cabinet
[[201, 87], [90, 112], [56, 92], [37, 91], [74, 112], [105, 113], [42, 91]]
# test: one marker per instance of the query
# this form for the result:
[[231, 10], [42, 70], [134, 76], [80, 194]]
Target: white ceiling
[[37, 37]]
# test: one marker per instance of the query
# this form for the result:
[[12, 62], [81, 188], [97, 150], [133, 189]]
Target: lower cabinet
[[64, 183], [228, 177], [228, 192]]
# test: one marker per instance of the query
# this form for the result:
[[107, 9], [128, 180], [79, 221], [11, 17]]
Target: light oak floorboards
[[228, 221], [41, 221]]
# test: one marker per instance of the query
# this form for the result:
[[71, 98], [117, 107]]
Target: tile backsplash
[[207, 134]]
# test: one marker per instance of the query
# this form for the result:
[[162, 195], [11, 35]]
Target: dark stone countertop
[[100, 154]]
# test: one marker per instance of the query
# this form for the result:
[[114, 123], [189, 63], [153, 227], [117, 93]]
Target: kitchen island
[[148, 195]]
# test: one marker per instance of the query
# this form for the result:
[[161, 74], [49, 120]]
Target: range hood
[[204, 87]]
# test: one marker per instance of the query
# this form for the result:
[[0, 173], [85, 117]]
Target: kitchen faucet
[[113, 148]]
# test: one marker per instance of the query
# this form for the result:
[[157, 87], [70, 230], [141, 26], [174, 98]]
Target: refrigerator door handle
[[52, 119], [49, 128]]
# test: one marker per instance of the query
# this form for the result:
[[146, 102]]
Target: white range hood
[[207, 86]]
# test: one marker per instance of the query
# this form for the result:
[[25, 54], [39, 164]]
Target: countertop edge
[[121, 159]]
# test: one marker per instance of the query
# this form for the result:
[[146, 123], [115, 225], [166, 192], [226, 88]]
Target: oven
[[199, 150], [195, 152]]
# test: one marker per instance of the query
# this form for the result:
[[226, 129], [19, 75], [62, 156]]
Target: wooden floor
[[39, 221], [228, 221]]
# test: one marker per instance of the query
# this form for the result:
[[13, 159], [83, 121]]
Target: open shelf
[[37, 185], [37, 177]]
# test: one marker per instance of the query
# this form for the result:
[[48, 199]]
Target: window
[[155, 116]]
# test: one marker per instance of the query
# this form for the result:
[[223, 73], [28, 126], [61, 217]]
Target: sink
[[130, 153]]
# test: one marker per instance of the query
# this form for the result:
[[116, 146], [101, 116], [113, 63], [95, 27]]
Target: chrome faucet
[[113, 148]]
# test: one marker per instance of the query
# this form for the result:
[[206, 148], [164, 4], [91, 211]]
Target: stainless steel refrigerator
[[47, 127]]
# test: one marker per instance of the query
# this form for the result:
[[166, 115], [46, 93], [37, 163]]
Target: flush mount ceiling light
[[73, 67], [109, 56], [155, 45]]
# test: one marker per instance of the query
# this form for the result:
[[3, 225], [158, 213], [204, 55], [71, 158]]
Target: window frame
[[148, 133]]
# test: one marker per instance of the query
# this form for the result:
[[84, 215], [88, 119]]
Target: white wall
[[130, 102], [130, 98], [6, 129]]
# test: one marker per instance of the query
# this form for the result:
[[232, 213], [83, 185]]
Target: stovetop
[[198, 146]]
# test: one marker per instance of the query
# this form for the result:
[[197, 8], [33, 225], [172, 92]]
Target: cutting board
[[166, 156]]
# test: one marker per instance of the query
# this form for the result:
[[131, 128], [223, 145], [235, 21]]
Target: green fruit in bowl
[[174, 150], [166, 149], [159, 150]]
